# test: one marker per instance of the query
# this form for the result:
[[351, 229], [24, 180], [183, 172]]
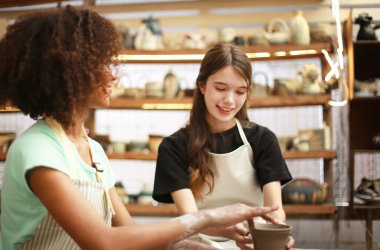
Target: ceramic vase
[[299, 29]]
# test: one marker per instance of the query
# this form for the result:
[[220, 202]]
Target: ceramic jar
[[300, 31], [171, 85]]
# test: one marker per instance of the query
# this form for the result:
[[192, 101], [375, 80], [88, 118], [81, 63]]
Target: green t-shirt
[[21, 210]]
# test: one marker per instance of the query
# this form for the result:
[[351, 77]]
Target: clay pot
[[270, 236]]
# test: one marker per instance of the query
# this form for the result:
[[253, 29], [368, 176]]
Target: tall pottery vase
[[299, 29]]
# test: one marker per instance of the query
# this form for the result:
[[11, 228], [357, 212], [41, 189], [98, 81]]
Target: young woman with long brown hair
[[220, 157]]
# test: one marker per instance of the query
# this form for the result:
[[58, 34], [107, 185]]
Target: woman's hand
[[290, 243], [241, 236], [231, 215]]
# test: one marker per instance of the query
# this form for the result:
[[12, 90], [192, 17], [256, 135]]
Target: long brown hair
[[216, 58], [51, 61]]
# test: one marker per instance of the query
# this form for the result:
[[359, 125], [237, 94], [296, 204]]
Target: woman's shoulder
[[175, 143], [178, 137], [254, 129], [37, 135]]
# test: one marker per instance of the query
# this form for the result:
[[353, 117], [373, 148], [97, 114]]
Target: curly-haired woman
[[58, 190]]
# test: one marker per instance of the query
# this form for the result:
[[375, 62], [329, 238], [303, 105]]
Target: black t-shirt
[[172, 163]]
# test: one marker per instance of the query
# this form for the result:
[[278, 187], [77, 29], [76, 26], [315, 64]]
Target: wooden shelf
[[145, 156], [255, 53], [3, 156], [366, 207], [149, 210], [9, 110], [152, 156], [323, 209], [289, 101], [326, 154], [186, 103], [171, 210]]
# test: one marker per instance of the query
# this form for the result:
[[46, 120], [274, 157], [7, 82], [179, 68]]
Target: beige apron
[[235, 178], [49, 234], [235, 181]]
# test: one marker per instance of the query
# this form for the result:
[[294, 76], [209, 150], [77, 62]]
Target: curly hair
[[51, 61]]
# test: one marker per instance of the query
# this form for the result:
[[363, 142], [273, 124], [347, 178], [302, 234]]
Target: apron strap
[[241, 132], [66, 144], [246, 142], [96, 163]]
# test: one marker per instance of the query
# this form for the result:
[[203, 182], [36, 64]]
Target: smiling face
[[225, 93]]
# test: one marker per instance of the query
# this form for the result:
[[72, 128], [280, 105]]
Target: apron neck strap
[[66, 144], [241, 132]]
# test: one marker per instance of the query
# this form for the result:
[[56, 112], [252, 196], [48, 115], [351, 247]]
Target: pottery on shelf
[[171, 85], [300, 31], [280, 36], [304, 191]]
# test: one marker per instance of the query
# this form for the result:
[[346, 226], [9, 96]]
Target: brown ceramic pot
[[270, 236]]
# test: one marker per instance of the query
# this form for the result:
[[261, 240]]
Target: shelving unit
[[186, 103], [363, 58], [152, 156], [255, 53]]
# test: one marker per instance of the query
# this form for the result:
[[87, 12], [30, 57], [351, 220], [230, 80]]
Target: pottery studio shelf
[[152, 156], [8, 109], [186, 103], [170, 210], [254, 53]]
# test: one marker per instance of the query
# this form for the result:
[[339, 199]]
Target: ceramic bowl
[[304, 191], [270, 236]]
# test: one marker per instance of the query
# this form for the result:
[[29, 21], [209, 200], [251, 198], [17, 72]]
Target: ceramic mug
[[270, 236]]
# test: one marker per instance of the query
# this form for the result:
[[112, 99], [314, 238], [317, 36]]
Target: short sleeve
[[38, 147], [171, 170], [269, 162]]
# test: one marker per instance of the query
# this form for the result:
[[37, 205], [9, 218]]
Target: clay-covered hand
[[231, 215]]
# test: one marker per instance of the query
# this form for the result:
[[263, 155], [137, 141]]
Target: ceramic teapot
[[366, 30], [280, 36]]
